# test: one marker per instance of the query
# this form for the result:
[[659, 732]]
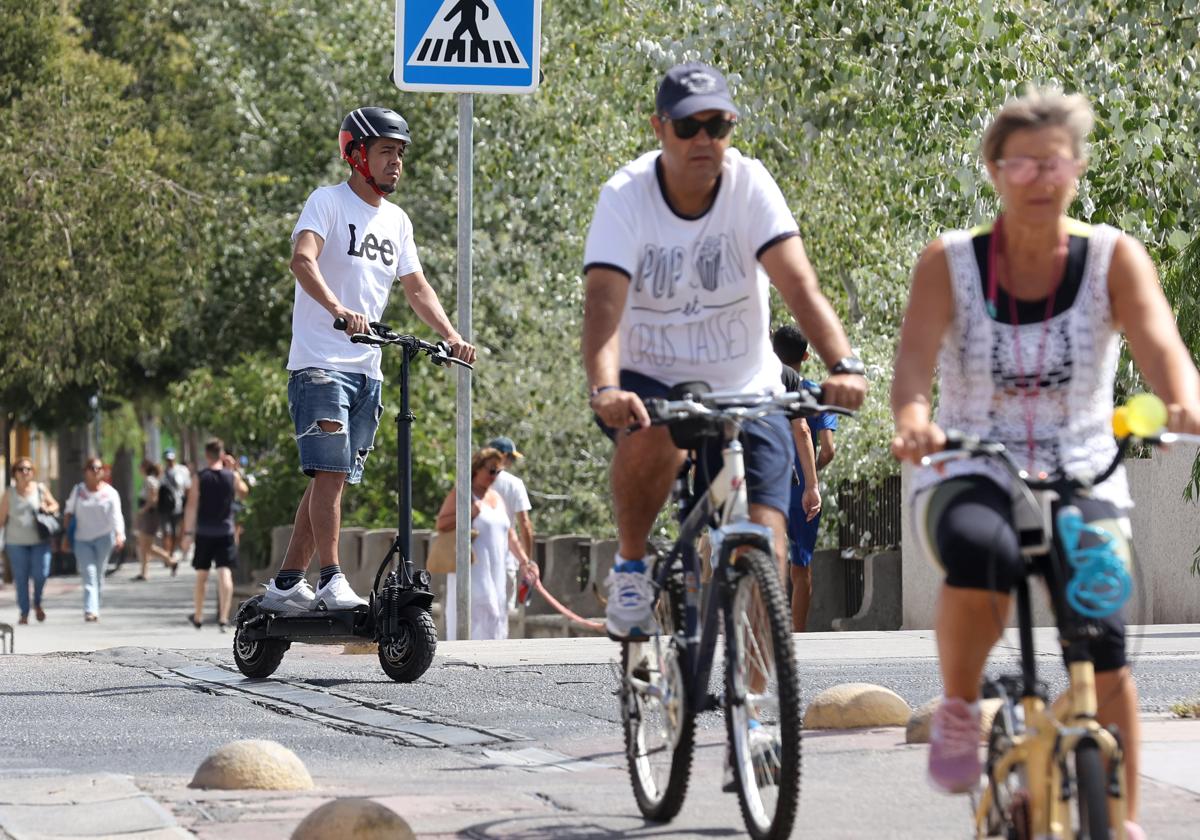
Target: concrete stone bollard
[[363, 648], [856, 706], [353, 819], [916, 731], [252, 765], [566, 557]]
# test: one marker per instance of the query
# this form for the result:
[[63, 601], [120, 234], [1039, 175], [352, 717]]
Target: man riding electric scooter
[[349, 246]]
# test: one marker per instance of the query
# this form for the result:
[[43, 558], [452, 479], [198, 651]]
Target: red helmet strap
[[360, 165]]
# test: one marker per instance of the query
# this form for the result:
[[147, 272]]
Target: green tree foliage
[[869, 115]]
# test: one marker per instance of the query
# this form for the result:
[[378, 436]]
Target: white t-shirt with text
[[697, 307], [366, 248]]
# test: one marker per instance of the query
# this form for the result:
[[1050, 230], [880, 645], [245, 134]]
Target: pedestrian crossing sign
[[468, 46]]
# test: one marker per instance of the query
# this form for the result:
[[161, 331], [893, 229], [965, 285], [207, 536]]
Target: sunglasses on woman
[[717, 127], [1024, 170], [23, 469]]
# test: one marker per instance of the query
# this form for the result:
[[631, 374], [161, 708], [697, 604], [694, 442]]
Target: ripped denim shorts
[[352, 400]]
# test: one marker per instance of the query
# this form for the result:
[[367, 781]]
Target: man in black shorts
[[208, 523]]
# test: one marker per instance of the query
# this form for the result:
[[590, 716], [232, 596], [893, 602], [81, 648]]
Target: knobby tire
[[759, 567]]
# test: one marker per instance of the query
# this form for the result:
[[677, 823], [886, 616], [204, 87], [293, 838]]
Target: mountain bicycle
[[397, 615], [1054, 771], [665, 679]]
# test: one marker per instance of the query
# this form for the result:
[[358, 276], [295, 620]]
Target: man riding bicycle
[[681, 247]]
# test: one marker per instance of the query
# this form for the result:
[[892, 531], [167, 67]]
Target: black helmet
[[362, 124]]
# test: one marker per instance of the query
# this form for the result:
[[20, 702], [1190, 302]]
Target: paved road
[[512, 739]]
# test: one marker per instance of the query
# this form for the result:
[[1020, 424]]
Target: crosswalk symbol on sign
[[467, 45]]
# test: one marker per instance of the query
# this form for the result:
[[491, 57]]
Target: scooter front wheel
[[408, 654], [259, 659]]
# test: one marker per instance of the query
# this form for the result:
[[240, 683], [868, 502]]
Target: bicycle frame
[[1051, 735], [726, 493]]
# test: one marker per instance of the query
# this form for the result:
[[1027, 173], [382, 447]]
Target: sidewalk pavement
[[153, 614]]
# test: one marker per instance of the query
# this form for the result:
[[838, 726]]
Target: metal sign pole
[[462, 537]]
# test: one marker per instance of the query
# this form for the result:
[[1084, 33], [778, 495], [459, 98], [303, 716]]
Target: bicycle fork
[[1050, 738]]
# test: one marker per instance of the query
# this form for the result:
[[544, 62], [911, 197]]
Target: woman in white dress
[[494, 538]]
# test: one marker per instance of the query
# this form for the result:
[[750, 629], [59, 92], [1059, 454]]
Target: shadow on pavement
[[584, 827]]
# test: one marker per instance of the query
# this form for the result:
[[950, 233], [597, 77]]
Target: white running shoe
[[630, 611], [337, 595], [300, 598]]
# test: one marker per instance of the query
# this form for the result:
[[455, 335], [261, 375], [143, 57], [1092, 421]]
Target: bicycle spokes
[[762, 701]]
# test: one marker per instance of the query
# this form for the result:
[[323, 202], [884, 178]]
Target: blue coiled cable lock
[[1101, 583]]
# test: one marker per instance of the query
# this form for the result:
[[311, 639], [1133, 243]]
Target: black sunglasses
[[717, 127]]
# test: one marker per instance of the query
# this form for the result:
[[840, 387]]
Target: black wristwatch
[[851, 365]]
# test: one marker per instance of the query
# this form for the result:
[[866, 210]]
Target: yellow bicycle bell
[[1144, 415]]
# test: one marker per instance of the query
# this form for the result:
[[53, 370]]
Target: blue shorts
[[768, 443], [350, 399], [802, 535]]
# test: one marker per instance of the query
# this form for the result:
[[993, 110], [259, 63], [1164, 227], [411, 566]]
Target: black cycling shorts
[[968, 531]]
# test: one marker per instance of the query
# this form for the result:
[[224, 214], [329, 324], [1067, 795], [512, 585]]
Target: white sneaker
[[300, 598], [337, 595], [630, 611]]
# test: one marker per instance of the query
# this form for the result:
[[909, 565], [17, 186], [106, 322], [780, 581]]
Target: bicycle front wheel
[[659, 725], [762, 700], [1090, 787]]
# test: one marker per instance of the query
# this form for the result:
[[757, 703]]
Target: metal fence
[[869, 521]]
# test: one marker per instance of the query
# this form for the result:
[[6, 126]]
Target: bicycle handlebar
[[959, 446], [382, 335], [738, 406]]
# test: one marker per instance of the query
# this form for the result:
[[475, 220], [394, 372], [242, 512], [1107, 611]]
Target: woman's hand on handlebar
[[356, 322], [619, 409], [460, 349], [1183, 419], [913, 441], [847, 390]]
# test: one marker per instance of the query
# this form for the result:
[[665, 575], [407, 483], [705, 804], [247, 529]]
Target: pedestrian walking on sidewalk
[[94, 525], [350, 246], [149, 520], [28, 552], [176, 479], [489, 550], [208, 524], [516, 499], [814, 450]]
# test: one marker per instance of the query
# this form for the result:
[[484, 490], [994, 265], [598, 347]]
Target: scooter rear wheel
[[407, 655], [257, 660]]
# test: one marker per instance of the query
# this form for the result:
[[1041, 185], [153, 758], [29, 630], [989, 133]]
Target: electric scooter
[[397, 614]]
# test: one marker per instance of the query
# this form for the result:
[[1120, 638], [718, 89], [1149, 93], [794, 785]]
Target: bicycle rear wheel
[[762, 700], [1090, 792], [659, 725]]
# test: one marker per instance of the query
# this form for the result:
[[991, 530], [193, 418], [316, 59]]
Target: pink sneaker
[[954, 765], [1133, 831]]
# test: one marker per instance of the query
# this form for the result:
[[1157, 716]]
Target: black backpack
[[166, 498]]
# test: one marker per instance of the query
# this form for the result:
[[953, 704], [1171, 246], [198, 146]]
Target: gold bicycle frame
[[1043, 749]]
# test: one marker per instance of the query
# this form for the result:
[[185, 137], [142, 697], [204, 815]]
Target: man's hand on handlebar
[[845, 389], [460, 349], [914, 441], [619, 409], [356, 322]]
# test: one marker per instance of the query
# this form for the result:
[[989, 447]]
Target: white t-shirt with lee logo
[[698, 301], [366, 249]]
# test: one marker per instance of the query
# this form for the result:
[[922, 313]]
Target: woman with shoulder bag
[[94, 507], [27, 547], [495, 537]]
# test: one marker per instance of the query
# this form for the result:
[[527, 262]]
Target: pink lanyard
[[997, 262]]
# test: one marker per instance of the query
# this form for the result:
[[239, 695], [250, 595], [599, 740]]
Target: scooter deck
[[314, 626]]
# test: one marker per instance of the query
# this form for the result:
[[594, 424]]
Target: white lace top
[[984, 393]]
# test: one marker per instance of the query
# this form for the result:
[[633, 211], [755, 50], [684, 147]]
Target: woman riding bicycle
[[1021, 317]]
